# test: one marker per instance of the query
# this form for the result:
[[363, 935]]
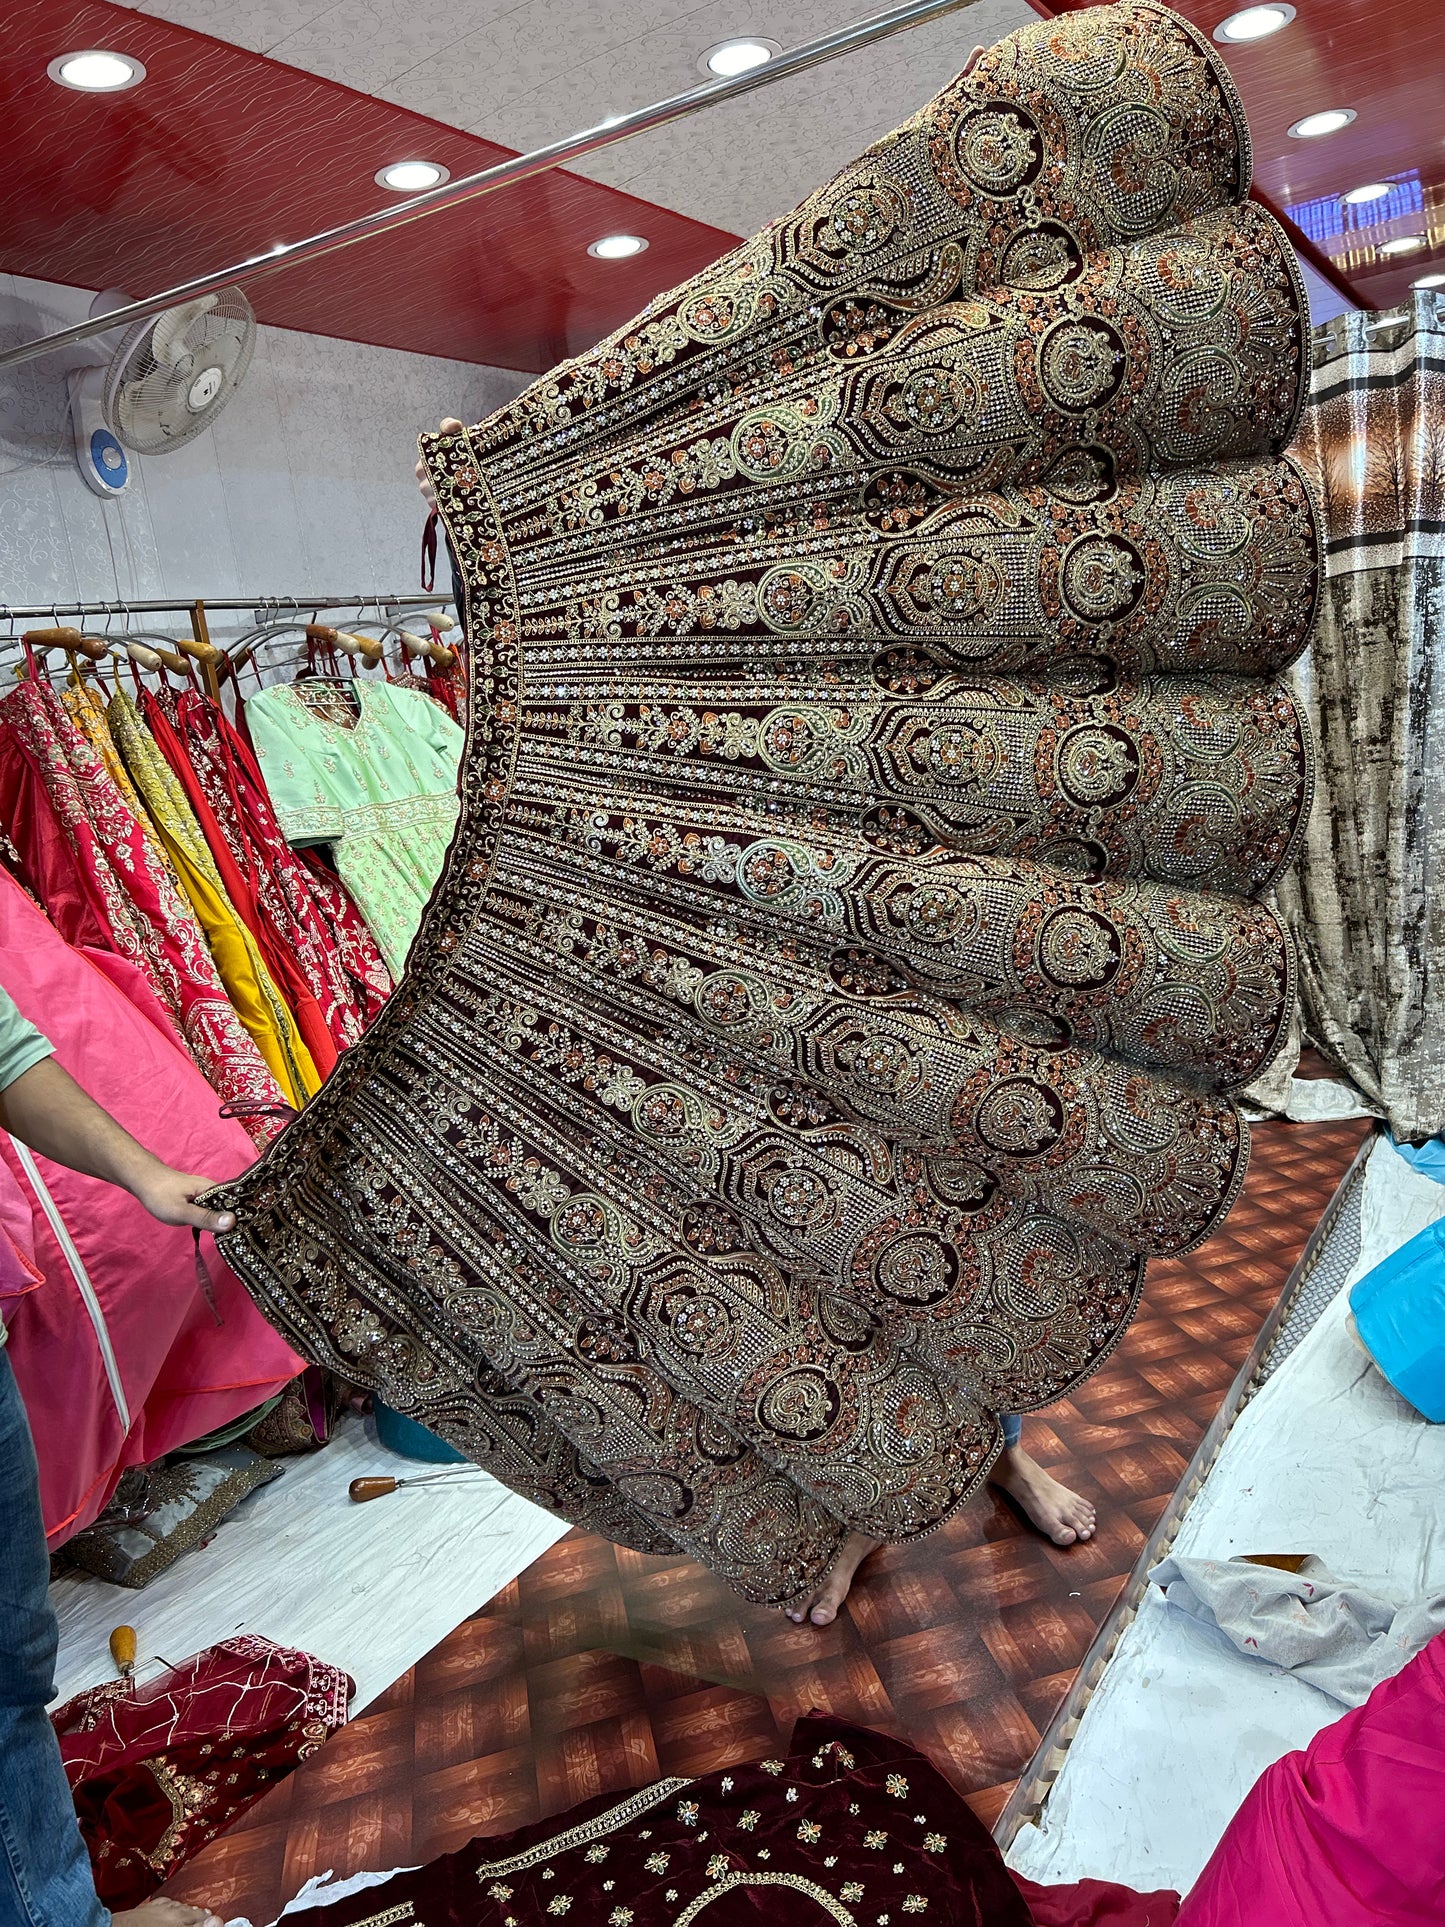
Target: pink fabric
[[1352, 1830], [182, 1375], [1098, 1903]]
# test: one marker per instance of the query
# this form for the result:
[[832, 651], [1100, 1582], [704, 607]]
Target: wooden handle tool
[[380, 1487], [122, 1651]]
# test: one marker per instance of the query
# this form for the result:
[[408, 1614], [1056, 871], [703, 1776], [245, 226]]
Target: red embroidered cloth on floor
[[852, 1828], [159, 1769], [327, 957]]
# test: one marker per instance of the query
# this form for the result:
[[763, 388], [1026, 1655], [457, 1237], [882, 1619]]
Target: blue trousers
[[44, 1869], [1011, 1425]]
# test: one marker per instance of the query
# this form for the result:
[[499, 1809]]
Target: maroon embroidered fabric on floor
[[158, 1770], [850, 1827]]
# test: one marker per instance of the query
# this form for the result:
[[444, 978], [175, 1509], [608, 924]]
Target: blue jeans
[[44, 1869], [1011, 1426]]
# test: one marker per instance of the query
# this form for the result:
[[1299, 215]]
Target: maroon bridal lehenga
[[877, 756]]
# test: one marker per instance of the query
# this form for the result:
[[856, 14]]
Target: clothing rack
[[263, 609], [260, 606]]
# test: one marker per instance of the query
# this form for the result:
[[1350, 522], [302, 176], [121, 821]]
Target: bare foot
[[166, 1913], [822, 1608], [1061, 1515]]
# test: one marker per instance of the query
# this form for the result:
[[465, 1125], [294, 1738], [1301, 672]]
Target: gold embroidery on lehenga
[[876, 756]]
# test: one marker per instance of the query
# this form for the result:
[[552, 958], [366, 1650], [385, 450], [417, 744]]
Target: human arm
[[45, 1108]]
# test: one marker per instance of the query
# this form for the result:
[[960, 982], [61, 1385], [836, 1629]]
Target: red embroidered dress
[[104, 880], [329, 955]]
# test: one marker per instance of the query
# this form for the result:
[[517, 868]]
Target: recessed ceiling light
[[412, 177], [1371, 191], [1429, 281], [97, 72], [1329, 122], [1403, 244], [617, 247], [1254, 23], [732, 57]]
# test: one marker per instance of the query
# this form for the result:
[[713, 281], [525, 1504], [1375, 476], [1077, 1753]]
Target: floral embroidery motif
[[876, 757]]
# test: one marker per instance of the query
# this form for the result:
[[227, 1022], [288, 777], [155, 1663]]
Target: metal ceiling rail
[[620, 127]]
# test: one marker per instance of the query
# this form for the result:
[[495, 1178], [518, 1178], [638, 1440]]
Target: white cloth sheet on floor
[[1341, 1639], [1315, 1100], [1325, 1459], [369, 1587]]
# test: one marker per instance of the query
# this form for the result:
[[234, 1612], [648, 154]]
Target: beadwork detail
[[877, 753]]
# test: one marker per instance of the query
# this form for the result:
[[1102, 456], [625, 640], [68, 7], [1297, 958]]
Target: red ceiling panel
[[220, 153], [1384, 58]]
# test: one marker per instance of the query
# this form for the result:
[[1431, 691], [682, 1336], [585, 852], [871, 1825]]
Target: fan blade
[[168, 336]]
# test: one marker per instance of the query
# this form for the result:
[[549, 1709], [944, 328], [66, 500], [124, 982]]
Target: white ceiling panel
[[524, 74]]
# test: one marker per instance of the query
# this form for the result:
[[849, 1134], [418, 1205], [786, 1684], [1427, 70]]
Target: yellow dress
[[118, 732]]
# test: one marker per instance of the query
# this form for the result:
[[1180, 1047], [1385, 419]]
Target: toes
[[1064, 1536], [822, 1615]]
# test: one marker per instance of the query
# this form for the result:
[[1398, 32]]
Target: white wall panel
[[303, 485]]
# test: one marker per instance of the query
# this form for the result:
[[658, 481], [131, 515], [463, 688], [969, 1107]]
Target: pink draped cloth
[[131, 1284], [1348, 1833]]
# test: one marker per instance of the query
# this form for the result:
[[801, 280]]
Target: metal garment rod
[[846, 40], [282, 605]]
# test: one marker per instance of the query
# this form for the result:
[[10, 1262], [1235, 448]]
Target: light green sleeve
[[22, 1046], [307, 807], [424, 721]]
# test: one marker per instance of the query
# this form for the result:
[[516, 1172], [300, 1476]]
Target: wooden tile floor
[[600, 1669]]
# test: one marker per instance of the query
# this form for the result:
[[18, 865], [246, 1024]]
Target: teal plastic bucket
[[401, 1434], [1399, 1310]]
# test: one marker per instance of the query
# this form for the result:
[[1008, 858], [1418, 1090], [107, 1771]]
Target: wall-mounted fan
[[162, 381]]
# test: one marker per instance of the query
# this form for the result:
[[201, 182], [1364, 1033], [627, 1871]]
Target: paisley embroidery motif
[[874, 759]]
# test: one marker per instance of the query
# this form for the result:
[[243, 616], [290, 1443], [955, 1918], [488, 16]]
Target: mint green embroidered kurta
[[381, 790]]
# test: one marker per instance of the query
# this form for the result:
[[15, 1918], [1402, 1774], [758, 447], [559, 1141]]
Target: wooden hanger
[[202, 652], [364, 646], [428, 646], [70, 640]]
